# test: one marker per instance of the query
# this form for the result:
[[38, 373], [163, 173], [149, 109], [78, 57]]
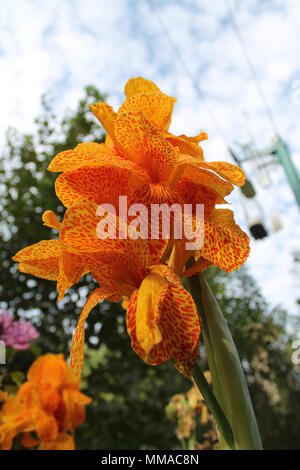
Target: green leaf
[[17, 377], [237, 401]]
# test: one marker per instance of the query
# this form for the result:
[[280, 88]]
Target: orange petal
[[100, 185], [123, 269], [195, 139], [46, 427], [139, 85], [78, 236], [40, 260], [49, 397], [62, 442], [51, 220], [48, 369], [106, 115], [151, 295], [143, 143], [156, 107], [71, 268], [124, 304], [192, 193], [145, 252], [88, 154], [79, 230], [181, 327], [159, 353], [186, 145], [231, 173], [3, 396], [225, 244], [198, 172], [77, 350], [177, 321], [225, 218], [144, 96], [74, 402]]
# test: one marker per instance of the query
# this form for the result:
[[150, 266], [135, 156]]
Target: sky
[[64, 45]]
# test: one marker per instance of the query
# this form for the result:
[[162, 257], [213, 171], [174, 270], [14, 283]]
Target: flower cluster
[[16, 334], [47, 408], [144, 161]]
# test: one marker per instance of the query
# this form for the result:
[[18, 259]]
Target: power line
[[251, 66], [188, 72]]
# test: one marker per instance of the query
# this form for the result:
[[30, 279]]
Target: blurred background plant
[[129, 398], [194, 425]]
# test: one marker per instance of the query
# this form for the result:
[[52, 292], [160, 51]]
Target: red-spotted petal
[[225, 244], [79, 232], [197, 173], [77, 350], [106, 115], [100, 185], [140, 85], [144, 144], [40, 260], [71, 268], [186, 145], [231, 173], [176, 319], [157, 107], [88, 154], [51, 220], [192, 193], [144, 96]]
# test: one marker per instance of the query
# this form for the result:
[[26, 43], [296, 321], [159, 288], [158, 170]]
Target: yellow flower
[[49, 404]]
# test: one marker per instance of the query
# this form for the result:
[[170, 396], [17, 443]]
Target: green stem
[[194, 288], [213, 405], [183, 444]]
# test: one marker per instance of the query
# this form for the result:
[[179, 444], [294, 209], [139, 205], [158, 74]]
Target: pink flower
[[16, 334]]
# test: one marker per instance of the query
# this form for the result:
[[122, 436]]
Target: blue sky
[[64, 45]]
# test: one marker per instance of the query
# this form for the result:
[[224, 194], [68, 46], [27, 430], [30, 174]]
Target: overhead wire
[[188, 72], [195, 83], [251, 67]]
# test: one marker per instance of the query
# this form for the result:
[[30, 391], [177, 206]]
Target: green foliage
[[129, 397]]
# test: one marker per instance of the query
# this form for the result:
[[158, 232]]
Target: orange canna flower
[[49, 404], [149, 165], [142, 160]]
